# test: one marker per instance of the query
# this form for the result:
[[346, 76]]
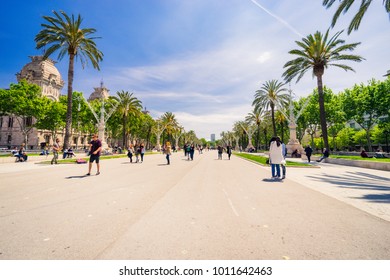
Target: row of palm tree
[[64, 34], [315, 53]]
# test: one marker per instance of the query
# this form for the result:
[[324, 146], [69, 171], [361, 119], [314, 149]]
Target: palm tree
[[170, 122], [64, 34], [255, 117], [317, 53], [271, 94], [281, 119], [128, 105], [345, 5]]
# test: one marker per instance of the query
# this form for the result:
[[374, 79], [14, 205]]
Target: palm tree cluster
[[315, 53], [64, 33]]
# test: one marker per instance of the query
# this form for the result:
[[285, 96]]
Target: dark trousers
[[167, 157]]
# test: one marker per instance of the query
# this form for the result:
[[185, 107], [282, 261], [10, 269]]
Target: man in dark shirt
[[95, 148]]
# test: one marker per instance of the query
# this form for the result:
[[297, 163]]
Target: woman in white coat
[[275, 157]]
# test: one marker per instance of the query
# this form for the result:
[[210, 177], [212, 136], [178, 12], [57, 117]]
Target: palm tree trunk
[[273, 118], [124, 122], [258, 137], [321, 102], [68, 126]]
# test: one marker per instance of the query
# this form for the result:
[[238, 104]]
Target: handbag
[[267, 161]]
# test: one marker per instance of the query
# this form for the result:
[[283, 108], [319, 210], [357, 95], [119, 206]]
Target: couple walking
[[277, 152]]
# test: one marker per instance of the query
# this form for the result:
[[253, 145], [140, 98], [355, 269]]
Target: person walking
[[168, 152], [142, 152], [192, 151], [188, 151], [308, 152], [95, 149], [137, 151], [275, 157], [283, 163], [220, 151], [130, 152], [229, 151], [56, 149]]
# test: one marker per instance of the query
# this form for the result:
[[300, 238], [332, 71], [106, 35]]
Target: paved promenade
[[201, 209]]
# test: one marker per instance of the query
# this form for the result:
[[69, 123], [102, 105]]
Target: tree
[[271, 95], [64, 34], [255, 117], [317, 52], [25, 103], [345, 5], [170, 122], [362, 104], [128, 106], [54, 118]]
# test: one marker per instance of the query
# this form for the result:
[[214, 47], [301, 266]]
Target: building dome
[[99, 93], [43, 73]]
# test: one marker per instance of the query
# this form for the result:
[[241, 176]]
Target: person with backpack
[[188, 151]]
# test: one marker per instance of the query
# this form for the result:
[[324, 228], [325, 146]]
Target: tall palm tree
[[271, 95], [317, 53], [345, 5], [64, 34], [256, 117], [169, 119], [128, 105]]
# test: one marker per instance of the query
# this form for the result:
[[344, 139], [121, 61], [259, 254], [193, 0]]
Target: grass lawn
[[262, 160], [360, 158], [73, 160]]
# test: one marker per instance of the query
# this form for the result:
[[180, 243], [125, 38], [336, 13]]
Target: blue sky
[[203, 60]]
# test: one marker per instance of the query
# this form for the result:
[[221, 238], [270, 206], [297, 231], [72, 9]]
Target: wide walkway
[[201, 209]]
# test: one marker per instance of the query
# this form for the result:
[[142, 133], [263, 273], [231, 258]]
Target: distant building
[[212, 137], [99, 93]]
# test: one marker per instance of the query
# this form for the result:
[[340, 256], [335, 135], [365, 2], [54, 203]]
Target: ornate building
[[44, 74], [99, 93]]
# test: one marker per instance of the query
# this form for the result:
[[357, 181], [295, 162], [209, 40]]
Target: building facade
[[43, 73]]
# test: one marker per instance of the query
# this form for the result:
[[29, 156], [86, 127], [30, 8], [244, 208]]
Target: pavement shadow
[[272, 180], [361, 181], [76, 177]]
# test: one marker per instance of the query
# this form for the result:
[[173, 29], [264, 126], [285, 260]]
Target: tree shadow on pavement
[[359, 181]]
